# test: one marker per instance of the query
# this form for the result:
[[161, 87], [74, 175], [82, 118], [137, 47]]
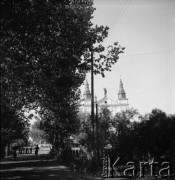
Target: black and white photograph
[[87, 89]]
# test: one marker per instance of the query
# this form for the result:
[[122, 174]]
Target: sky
[[146, 28]]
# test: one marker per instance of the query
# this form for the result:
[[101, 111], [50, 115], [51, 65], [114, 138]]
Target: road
[[27, 166], [46, 172], [44, 168]]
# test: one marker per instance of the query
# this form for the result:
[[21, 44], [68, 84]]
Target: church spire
[[87, 94], [121, 92]]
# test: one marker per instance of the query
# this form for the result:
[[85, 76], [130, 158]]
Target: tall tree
[[45, 53], [103, 136], [157, 135], [123, 139], [14, 127]]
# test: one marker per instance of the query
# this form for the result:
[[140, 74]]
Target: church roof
[[103, 100]]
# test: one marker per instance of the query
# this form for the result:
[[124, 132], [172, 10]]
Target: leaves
[[46, 51], [13, 125], [40, 52]]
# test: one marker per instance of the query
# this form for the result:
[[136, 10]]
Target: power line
[[115, 10], [116, 15], [152, 52], [120, 14]]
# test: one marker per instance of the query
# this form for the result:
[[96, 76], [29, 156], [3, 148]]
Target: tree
[[157, 135], [45, 53], [123, 137], [103, 137], [14, 128], [85, 131], [60, 125], [104, 128], [42, 49], [36, 133], [152, 137]]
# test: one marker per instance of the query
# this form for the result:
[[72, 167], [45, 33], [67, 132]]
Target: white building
[[114, 105]]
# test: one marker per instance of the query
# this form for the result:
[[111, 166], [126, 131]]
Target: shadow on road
[[40, 168]]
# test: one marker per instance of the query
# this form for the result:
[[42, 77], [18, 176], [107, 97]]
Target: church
[[114, 105]]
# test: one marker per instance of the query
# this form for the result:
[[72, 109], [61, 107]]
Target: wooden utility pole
[[96, 119], [92, 111], [96, 122], [92, 100]]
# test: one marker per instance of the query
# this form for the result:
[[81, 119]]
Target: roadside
[[45, 167]]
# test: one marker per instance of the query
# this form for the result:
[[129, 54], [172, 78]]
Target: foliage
[[157, 136], [85, 133], [104, 128], [36, 133], [61, 125], [102, 137], [46, 49], [121, 138], [14, 128], [152, 137], [42, 53]]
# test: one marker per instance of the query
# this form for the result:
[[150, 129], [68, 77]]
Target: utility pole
[[92, 109], [96, 122], [92, 99]]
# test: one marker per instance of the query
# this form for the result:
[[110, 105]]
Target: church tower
[[87, 94], [121, 94], [114, 105]]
